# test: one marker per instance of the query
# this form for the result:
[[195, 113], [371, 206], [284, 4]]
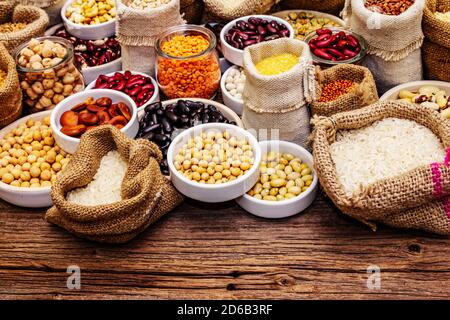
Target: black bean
[[171, 116], [183, 120], [182, 108], [166, 125], [212, 108], [205, 118], [154, 118], [160, 113], [153, 128], [149, 136]]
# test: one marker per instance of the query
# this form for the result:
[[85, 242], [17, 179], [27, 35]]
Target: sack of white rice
[[387, 163], [112, 189]]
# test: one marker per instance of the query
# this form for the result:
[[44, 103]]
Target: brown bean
[[74, 131], [103, 102], [118, 120], [95, 108], [88, 119], [114, 110], [69, 118], [79, 107], [124, 110], [103, 117]]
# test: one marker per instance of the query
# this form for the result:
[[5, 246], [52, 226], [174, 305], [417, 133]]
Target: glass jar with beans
[[187, 63], [47, 72]]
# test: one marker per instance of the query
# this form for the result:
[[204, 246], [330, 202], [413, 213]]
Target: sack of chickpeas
[[143, 194], [23, 23], [10, 93], [139, 22], [329, 6], [344, 87], [51, 7], [279, 101], [436, 48], [394, 37], [233, 9]]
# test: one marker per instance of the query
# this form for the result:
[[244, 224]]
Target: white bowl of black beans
[[249, 30], [160, 122]]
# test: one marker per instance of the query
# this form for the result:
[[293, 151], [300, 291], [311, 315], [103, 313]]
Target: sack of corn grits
[[35, 18], [232, 9], [51, 7], [436, 48], [363, 92], [393, 42], [146, 194], [137, 31], [329, 6], [279, 102], [418, 199]]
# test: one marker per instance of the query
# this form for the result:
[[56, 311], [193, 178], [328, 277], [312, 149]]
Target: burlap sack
[[36, 19], [147, 194], [413, 200], [10, 93], [363, 93], [329, 6], [192, 10], [232, 9], [51, 7], [137, 31], [279, 102], [393, 42], [436, 48]]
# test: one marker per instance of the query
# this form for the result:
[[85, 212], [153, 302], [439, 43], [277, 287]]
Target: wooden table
[[202, 251]]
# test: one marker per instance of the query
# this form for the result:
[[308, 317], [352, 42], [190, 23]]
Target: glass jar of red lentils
[[187, 64]]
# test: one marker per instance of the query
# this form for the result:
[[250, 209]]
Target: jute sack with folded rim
[[417, 199], [137, 31], [279, 102], [51, 7], [36, 19], [10, 93], [233, 9], [364, 91], [436, 48], [147, 194], [329, 6], [393, 42]]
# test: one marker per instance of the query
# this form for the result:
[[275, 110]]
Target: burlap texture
[[436, 48], [147, 194], [391, 38], [137, 31], [10, 93], [329, 6], [233, 9], [436, 61], [279, 102], [35, 17], [363, 93], [407, 201], [192, 10], [51, 7]]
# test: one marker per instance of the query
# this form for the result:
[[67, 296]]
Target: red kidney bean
[[339, 46], [322, 54], [335, 53]]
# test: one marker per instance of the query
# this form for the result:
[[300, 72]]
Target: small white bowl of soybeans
[[286, 185]]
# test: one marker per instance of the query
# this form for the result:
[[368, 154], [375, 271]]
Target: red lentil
[[389, 7], [335, 89]]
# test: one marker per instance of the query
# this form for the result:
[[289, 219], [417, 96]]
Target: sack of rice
[[233, 9], [10, 93], [112, 189], [51, 7], [344, 87], [436, 48], [329, 6], [137, 31], [387, 163], [192, 10], [393, 42], [280, 81], [35, 20]]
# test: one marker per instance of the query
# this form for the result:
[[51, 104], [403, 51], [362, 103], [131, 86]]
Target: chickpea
[[35, 172], [46, 175], [7, 178]]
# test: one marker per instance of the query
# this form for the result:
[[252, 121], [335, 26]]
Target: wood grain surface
[[204, 251]]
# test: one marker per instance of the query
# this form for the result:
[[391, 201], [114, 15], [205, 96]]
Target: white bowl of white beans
[[214, 162], [285, 196]]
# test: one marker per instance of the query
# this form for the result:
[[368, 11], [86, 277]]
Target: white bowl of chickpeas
[[286, 185], [214, 162], [29, 161]]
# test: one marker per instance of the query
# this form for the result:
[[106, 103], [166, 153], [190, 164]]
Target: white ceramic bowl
[[92, 73], [237, 105], [236, 56], [154, 98], [286, 208], [70, 144], [227, 112], [88, 32], [25, 197], [392, 94], [213, 192]]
